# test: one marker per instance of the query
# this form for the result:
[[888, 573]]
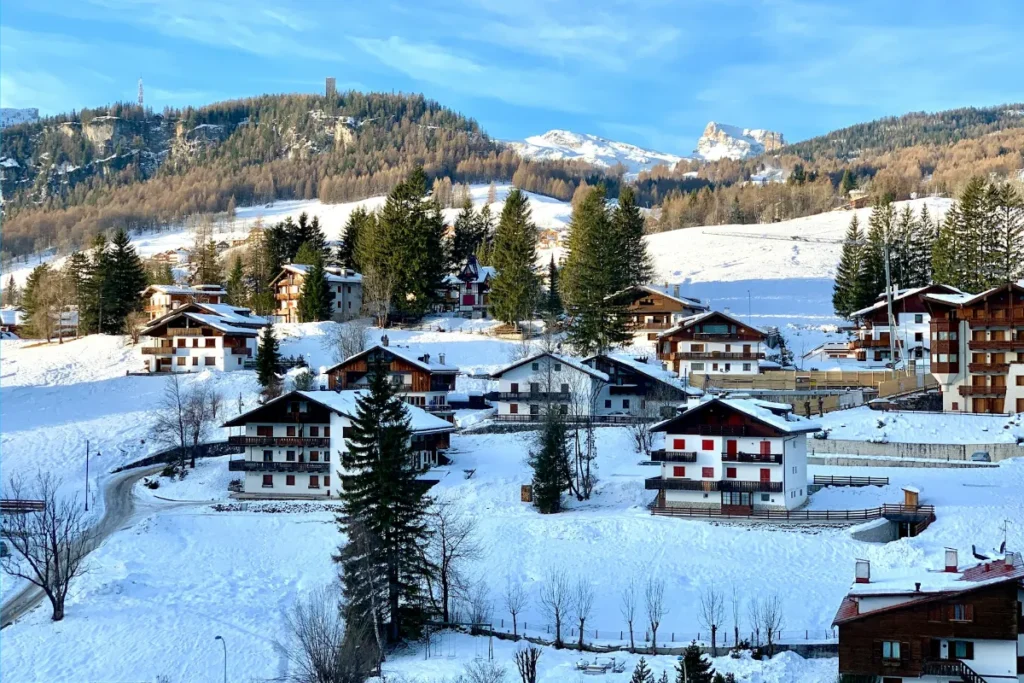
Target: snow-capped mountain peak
[[564, 144], [722, 141]]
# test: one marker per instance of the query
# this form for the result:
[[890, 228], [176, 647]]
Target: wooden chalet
[[197, 337], [654, 308], [160, 299]]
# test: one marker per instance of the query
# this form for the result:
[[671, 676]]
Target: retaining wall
[[898, 450], [211, 449]]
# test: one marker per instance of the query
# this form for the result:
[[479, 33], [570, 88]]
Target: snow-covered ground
[[864, 424], [159, 591]]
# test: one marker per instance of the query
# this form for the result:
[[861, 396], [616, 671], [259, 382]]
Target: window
[[956, 406], [535, 366], [607, 403], [728, 367], [513, 409], [289, 456], [314, 481], [625, 404], [890, 649], [327, 432], [918, 318], [697, 367], [327, 481], [210, 343], [707, 472], [707, 445], [314, 456], [327, 456], [565, 389], [563, 409], [678, 471], [961, 612], [210, 360], [289, 480], [264, 430], [195, 360], [314, 431], [730, 472], [268, 481], [935, 613], [268, 456], [714, 367], [766, 474], [919, 336], [728, 348], [765, 498], [746, 367], [961, 649], [558, 367], [678, 444], [181, 360], [290, 431], [534, 409], [534, 387]]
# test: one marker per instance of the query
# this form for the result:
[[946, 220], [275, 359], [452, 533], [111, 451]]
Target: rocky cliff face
[[722, 141]]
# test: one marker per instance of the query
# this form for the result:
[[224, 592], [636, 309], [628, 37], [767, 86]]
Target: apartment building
[[198, 336], [712, 343], [655, 308], [345, 287], [161, 299], [873, 334]]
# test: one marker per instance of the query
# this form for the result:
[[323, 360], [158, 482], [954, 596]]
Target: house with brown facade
[[345, 288], [197, 336], [956, 623], [421, 380], [977, 352], [712, 343], [655, 308], [161, 299]]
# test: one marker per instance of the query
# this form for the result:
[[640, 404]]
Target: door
[[731, 448], [766, 448], [746, 349], [514, 388], [766, 475]]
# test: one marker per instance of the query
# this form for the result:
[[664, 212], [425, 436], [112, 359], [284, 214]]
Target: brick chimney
[[951, 560], [862, 573]]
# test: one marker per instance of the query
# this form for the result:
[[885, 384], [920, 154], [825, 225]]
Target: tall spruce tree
[[958, 256], [515, 288], [237, 293], [880, 228], [1007, 248], [642, 673], [467, 234], [846, 295], [268, 357], [384, 506], [12, 295], [124, 280], [347, 255], [94, 271], [307, 254], [694, 667], [315, 298], [848, 182], [633, 262], [590, 275], [549, 460], [205, 264], [922, 237], [553, 304]]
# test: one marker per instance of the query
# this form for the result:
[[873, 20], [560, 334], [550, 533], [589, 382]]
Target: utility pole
[[225, 657], [893, 338], [87, 475]]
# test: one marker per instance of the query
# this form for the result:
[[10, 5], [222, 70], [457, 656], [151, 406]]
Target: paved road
[[118, 512]]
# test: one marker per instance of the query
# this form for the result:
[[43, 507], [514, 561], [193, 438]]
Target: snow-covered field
[[159, 591], [864, 424]]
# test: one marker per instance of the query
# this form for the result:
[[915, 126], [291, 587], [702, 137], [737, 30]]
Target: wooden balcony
[[988, 368], [660, 484], [663, 455], [740, 456], [981, 391], [285, 467], [728, 337], [241, 350], [532, 396], [281, 441], [997, 345], [189, 332], [869, 343], [157, 350], [711, 355], [1016, 320]]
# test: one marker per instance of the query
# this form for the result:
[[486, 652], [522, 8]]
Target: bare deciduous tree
[[134, 323], [754, 619], [583, 396], [646, 414], [735, 602], [582, 604], [526, 661], [478, 604], [169, 428], [514, 599], [712, 614], [453, 544], [484, 671], [199, 418], [555, 597], [346, 340], [770, 619], [628, 605], [654, 601], [321, 652], [378, 288], [50, 544]]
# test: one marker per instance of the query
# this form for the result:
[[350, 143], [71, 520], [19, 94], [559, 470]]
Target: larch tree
[[515, 288]]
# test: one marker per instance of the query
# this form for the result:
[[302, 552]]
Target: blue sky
[[650, 72]]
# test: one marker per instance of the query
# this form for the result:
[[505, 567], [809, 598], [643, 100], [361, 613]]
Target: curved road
[[118, 510]]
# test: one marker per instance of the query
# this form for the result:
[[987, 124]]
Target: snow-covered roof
[[954, 299], [983, 573], [332, 273], [430, 364], [690, 321], [185, 290], [655, 372], [344, 403], [219, 323], [235, 314], [905, 293], [483, 273], [779, 416], [668, 290], [964, 298], [562, 359]]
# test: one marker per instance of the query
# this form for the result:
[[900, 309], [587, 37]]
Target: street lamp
[[225, 657]]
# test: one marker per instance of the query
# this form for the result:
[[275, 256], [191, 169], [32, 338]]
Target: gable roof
[[777, 416], [229, 315], [694, 319], [597, 374], [211, 320], [657, 373], [907, 293], [668, 291], [405, 354], [333, 273], [186, 290], [344, 403], [964, 299]]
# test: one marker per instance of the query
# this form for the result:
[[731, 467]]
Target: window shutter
[[969, 650], [969, 612], [951, 614]]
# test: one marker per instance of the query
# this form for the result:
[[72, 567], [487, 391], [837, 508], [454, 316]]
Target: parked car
[[981, 456]]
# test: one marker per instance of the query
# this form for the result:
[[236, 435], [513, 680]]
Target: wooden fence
[[920, 512], [826, 480], [886, 382]]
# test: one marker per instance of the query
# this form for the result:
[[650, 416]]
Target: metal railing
[[740, 456], [728, 485], [926, 511], [9, 506], [573, 419], [532, 395], [828, 480], [663, 455], [277, 466], [712, 355], [280, 441], [951, 667]]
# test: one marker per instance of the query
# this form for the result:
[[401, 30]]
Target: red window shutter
[[678, 444], [314, 456], [730, 472], [327, 480], [766, 448], [268, 479], [290, 480], [314, 481], [707, 472], [707, 445], [314, 431], [290, 431], [678, 471], [969, 612], [766, 474], [327, 431], [513, 408]]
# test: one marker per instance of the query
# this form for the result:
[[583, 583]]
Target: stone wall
[[899, 450]]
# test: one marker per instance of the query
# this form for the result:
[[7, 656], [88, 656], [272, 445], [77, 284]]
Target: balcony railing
[[189, 331], [281, 441], [732, 485], [157, 350], [662, 455], [989, 368], [950, 668], [869, 344], [532, 395], [241, 350], [287, 467], [573, 419], [728, 337], [997, 321], [981, 391], [740, 456], [713, 355], [436, 407], [996, 345]]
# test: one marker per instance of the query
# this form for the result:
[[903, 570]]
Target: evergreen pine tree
[[315, 297], [922, 237], [32, 298], [12, 295], [205, 265], [590, 274], [946, 250], [1007, 234], [467, 235], [347, 254], [845, 293], [633, 262], [268, 356], [549, 461], [237, 294], [880, 227], [383, 504], [554, 298], [975, 237], [306, 254], [90, 303], [124, 280], [642, 673], [694, 667], [901, 257], [160, 274], [848, 182], [515, 287]]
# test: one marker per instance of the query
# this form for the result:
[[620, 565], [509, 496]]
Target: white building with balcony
[[200, 336], [528, 386], [735, 455], [712, 343]]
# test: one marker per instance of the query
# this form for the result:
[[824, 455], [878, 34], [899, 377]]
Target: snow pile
[[564, 144], [722, 141]]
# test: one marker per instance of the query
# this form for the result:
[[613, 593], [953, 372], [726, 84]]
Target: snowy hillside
[[722, 141], [564, 144], [12, 117]]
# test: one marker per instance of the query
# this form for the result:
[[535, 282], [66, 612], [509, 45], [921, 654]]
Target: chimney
[[862, 574], [440, 358], [425, 358], [951, 560], [384, 340], [917, 587], [675, 291]]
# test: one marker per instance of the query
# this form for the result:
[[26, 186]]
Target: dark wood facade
[[624, 379], [918, 626], [348, 373], [664, 310]]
